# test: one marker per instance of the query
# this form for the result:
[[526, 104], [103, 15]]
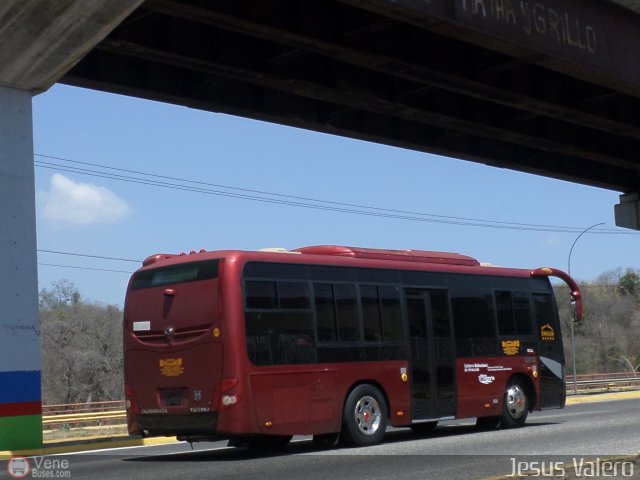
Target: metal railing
[[604, 382], [83, 414]]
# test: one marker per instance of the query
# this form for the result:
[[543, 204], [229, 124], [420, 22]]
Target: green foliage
[[629, 283], [81, 347], [605, 339]]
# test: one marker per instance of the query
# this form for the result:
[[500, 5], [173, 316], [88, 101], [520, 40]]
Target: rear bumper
[[178, 425]]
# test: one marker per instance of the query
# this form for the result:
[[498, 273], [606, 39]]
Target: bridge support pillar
[[627, 212], [20, 391]]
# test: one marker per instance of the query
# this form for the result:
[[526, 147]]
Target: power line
[[84, 268], [89, 256], [164, 181]]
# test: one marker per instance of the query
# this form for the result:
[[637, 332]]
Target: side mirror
[[574, 309]]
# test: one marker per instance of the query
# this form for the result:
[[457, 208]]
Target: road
[[455, 450]]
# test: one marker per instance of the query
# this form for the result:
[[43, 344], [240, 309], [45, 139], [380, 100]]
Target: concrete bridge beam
[[628, 211]]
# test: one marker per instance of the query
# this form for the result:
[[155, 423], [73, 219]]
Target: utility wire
[[89, 256], [163, 181], [83, 268]]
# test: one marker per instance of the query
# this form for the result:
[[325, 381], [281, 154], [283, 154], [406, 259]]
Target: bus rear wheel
[[365, 416], [515, 406]]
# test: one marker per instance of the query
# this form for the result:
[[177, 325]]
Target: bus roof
[[422, 256], [336, 255]]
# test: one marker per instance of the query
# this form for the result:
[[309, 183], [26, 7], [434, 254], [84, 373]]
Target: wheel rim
[[516, 401], [368, 415]]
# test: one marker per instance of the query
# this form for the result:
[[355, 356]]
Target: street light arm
[[576, 241]]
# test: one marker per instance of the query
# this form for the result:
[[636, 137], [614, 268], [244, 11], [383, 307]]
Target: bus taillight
[[228, 399], [131, 400]]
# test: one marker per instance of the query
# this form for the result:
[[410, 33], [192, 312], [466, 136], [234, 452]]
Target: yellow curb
[[87, 439], [81, 447], [603, 397]]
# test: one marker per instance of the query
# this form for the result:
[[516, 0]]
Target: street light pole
[[573, 338]]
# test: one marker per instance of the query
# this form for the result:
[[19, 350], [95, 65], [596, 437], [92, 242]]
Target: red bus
[[336, 342]]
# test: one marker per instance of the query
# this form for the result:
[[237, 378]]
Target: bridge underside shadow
[[549, 89]]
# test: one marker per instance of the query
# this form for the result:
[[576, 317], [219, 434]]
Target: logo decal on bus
[[547, 333], [486, 379], [171, 367], [511, 347]]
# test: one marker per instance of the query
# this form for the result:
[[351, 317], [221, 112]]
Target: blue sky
[[105, 217]]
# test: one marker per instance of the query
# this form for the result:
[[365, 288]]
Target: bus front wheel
[[365, 416], [515, 406]]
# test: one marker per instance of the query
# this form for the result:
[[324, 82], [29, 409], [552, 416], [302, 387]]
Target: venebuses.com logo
[[38, 467], [18, 467]]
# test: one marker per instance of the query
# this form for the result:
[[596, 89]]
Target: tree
[[81, 347], [604, 339], [629, 283]]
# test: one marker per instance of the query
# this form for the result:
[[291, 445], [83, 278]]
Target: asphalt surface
[[454, 450]]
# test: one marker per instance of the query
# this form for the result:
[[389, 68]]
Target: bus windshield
[[174, 274]]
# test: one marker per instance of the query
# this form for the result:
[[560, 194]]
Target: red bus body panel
[[481, 382], [189, 374]]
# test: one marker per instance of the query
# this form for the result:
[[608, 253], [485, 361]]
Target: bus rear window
[[185, 272]]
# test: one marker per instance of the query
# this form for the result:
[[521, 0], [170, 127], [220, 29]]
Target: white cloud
[[75, 203], [552, 239]]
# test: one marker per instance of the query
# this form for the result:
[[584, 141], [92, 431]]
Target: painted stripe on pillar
[[21, 432], [20, 387], [22, 408]]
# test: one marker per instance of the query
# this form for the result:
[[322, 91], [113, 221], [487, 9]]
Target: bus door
[[550, 352], [432, 354]]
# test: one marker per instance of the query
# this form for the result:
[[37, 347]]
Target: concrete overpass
[[548, 87]]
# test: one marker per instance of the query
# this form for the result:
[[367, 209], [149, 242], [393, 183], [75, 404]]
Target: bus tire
[[365, 416], [515, 406]]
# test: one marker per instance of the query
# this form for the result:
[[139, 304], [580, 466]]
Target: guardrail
[[83, 407], [83, 414], [113, 412], [605, 382]]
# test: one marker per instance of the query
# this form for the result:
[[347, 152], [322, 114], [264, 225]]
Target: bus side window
[[391, 314], [548, 328], [325, 312], [261, 294], [474, 324], [293, 295], [513, 312], [371, 315], [347, 312], [522, 313]]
